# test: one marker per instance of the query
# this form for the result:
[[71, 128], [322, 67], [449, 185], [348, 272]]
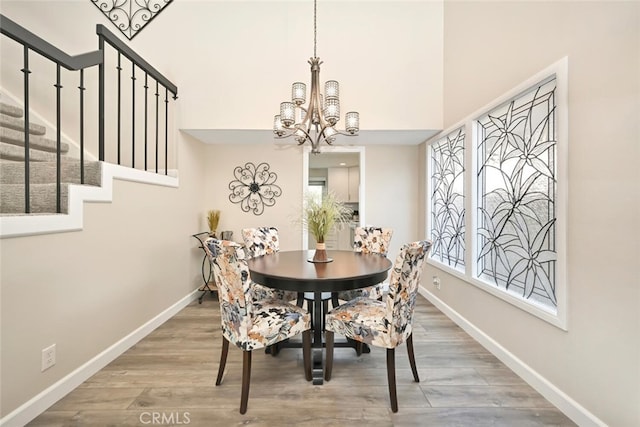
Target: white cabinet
[[354, 184], [331, 240], [345, 242], [345, 183], [338, 183]]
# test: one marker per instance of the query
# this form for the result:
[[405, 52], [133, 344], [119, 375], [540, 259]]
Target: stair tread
[[16, 152], [11, 110], [42, 198], [15, 137], [45, 172], [17, 123]]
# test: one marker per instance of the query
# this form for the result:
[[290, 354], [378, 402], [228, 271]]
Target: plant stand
[[207, 270]]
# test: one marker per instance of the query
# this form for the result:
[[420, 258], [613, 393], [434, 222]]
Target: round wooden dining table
[[292, 271]]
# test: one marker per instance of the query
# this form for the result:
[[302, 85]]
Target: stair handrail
[[84, 60], [80, 62], [119, 45], [46, 49]]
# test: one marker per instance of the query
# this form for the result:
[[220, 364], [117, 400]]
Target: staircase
[[42, 166]]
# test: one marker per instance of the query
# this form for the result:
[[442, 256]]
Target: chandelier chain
[[315, 6]]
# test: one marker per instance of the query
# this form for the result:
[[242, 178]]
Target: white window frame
[[557, 317]]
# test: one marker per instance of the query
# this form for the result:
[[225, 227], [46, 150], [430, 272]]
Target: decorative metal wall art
[[254, 187], [130, 16]]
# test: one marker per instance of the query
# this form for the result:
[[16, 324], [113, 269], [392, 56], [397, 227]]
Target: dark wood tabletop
[[292, 271]]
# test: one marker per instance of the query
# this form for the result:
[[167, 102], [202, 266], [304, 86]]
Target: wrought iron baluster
[[146, 116], [157, 106], [101, 101], [82, 89], [133, 115], [25, 70], [119, 68], [166, 131], [58, 140]]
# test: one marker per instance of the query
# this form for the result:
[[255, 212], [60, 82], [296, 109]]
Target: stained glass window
[[516, 196], [447, 199]]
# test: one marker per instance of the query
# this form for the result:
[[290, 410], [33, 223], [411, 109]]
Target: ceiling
[[259, 136], [336, 159]]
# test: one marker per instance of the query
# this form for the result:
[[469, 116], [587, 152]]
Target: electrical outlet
[[436, 282], [48, 357]]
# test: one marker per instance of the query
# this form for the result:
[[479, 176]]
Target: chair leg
[[246, 380], [328, 363], [334, 300], [359, 346], [274, 349], [391, 378], [306, 353], [300, 300], [223, 360], [412, 358]]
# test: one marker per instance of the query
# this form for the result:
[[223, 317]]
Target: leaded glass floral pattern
[[516, 196], [447, 199]]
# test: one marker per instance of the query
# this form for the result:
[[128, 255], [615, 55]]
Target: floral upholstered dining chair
[[265, 241], [386, 323], [247, 323], [368, 240]]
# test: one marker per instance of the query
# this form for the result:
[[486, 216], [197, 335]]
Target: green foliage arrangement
[[213, 218], [321, 216]]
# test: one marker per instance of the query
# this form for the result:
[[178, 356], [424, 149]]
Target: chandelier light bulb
[[332, 110], [277, 126], [299, 93], [352, 122], [331, 89], [287, 113], [330, 134]]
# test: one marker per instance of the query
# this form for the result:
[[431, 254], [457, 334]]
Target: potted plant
[[320, 216], [213, 218]]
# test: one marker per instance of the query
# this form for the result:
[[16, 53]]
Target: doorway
[[341, 170]]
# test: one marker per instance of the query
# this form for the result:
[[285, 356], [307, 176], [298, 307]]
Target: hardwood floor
[[168, 379]]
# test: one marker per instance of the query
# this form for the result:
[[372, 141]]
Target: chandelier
[[317, 122]]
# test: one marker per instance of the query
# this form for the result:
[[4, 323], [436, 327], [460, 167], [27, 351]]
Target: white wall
[[135, 257], [488, 48], [235, 61], [492, 47], [391, 185], [285, 162], [86, 290], [391, 192]]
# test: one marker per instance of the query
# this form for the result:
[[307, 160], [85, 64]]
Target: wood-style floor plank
[[168, 378]]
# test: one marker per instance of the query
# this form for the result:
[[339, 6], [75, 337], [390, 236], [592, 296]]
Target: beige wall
[[492, 47], [489, 47], [391, 181], [85, 291], [235, 61], [135, 256]]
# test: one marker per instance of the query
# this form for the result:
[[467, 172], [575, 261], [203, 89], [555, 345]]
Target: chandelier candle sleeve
[[299, 93]]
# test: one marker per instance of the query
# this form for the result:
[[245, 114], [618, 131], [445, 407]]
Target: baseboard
[[29, 225], [572, 409], [43, 400]]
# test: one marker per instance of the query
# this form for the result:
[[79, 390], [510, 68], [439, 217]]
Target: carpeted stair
[[42, 166]]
